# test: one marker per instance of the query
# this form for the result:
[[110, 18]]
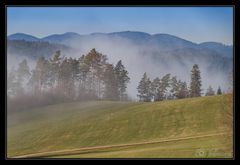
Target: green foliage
[[89, 77], [14, 87], [219, 91], [111, 85], [23, 70], [159, 87], [195, 85], [16, 79], [144, 89], [122, 79], [210, 91]]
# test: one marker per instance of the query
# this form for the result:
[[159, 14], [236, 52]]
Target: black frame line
[[201, 5]]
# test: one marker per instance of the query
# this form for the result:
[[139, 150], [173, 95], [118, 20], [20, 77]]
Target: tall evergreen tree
[[54, 68], [122, 79], [97, 64], [39, 78], [110, 81], [23, 74], [23, 70], [183, 90], [84, 69], [144, 89], [174, 87], [165, 83], [155, 85], [219, 91], [13, 86], [195, 85]]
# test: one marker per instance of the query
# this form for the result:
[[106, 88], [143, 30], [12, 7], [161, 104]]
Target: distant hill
[[34, 49], [71, 126], [22, 36], [61, 38], [163, 42], [225, 50]]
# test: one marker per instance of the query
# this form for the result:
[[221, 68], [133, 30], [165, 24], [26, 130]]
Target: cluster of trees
[[169, 87], [211, 92], [89, 77]]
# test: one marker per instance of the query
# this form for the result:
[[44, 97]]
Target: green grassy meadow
[[76, 125]]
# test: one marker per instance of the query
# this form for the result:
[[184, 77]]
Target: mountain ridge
[[21, 36]]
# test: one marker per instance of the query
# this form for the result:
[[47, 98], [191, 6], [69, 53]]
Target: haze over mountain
[[22, 36], [164, 42], [140, 52]]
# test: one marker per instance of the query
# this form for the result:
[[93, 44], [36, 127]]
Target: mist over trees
[[59, 79], [90, 77], [210, 91]]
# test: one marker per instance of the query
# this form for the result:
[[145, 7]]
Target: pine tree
[[13, 85], [144, 89], [165, 83], [195, 85], [39, 78], [219, 91], [97, 64], [23, 72], [122, 79], [155, 85], [183, 90], [110, 81], [54, 67], [210, 91], [84, 69], [174, 87]]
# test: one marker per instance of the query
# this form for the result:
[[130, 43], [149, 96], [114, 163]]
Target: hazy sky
[[197, 24]]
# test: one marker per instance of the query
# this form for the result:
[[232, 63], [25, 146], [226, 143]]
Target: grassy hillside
[[90, 124]]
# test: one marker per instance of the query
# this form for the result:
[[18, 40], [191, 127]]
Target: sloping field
[[196, 127]]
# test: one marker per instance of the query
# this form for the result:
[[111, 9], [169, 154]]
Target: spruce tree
[[165, 83], [219, 91], [210, 91], [122, 79], [183, 90], [22, 76], [54, 67], [195, 85], [174, 87], [12, 83], [155, 89], [144, 89], [23, 70], [110, 81]]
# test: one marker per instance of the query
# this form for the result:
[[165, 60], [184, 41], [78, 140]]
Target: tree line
[[168, 87], [89, 77]]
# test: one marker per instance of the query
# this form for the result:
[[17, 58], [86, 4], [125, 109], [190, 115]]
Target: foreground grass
[[77, 125]]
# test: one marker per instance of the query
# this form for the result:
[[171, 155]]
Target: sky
[[196, 24]]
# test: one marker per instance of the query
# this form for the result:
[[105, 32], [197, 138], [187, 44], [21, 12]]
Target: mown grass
[[76, 125], [208, 147]]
